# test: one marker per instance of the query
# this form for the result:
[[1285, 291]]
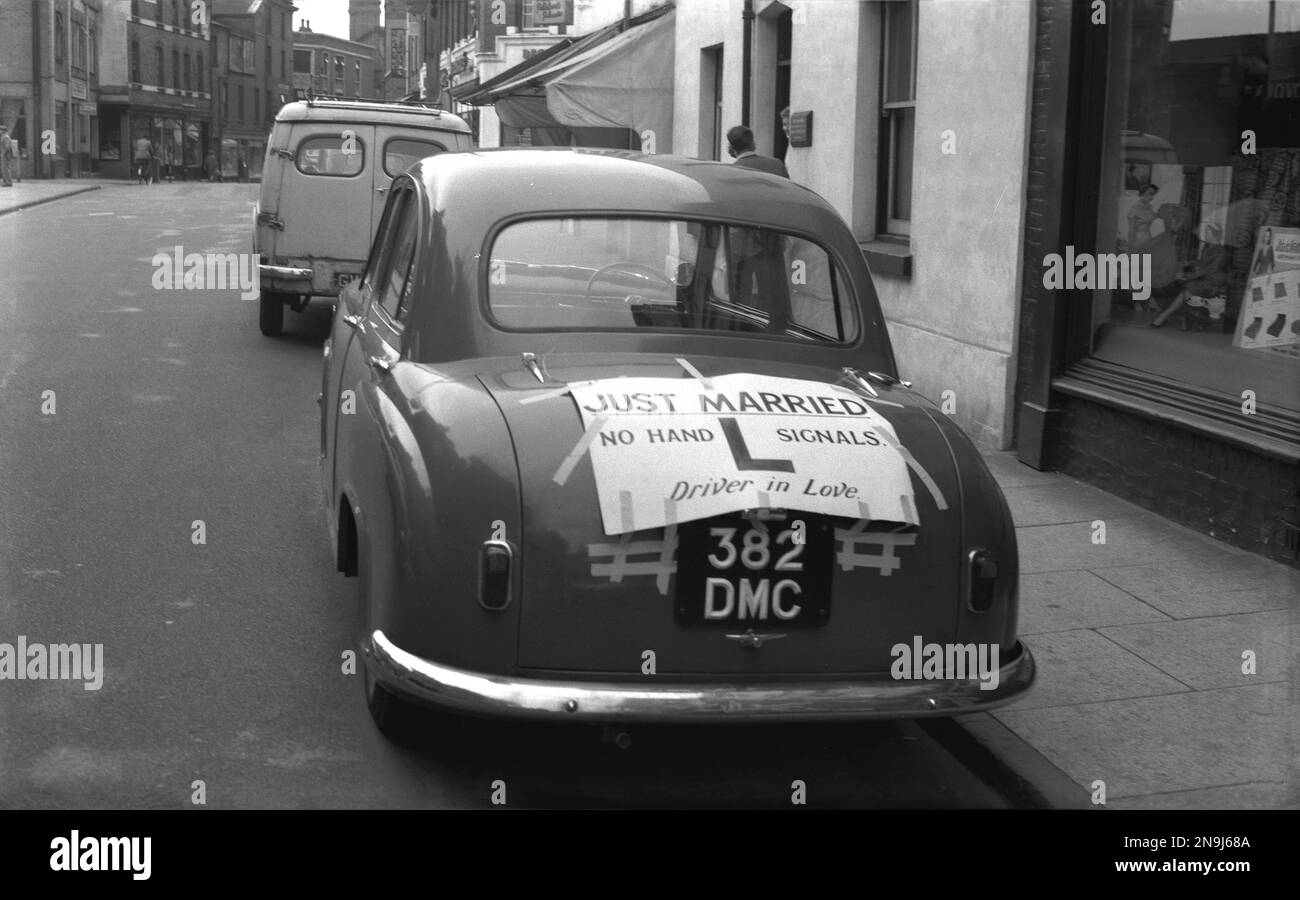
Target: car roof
[[363, 111], [501, 182]]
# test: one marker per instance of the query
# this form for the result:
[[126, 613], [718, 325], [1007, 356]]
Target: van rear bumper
[[286, 279], [318, 277]]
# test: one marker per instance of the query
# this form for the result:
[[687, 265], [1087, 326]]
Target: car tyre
[[271, 313]]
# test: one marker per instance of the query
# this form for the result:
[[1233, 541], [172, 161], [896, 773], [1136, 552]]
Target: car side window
[[397, 281], [381, 249]]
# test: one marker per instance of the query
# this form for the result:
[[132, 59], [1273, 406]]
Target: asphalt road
[[223, 659]]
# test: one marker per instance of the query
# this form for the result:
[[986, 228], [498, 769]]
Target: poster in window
[[1270, 309]]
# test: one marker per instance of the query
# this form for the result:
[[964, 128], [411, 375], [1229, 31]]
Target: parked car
[[620, 437], [324, 182]]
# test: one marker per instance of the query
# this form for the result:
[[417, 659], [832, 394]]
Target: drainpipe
[[38, 111], [746, 64]]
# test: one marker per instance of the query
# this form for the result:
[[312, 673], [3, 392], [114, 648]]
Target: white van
[[324, 183]]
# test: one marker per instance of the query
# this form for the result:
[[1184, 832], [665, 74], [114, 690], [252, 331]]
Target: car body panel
[[564, 603]]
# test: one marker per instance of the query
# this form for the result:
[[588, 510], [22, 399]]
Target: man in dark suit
[[740, 144]]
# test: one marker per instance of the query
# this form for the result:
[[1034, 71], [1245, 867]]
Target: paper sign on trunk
[[676, 450]]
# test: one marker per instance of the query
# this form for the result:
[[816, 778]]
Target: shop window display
[[1201, 176]]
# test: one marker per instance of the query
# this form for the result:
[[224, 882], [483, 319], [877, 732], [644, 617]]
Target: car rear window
[[614, 274], [402, 153], [331, 155]]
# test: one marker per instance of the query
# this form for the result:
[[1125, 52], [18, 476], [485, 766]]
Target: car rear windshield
[[615, 274]]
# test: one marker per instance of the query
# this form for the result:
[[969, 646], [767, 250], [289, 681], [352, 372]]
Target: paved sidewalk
[[31, 192], [1140, 644]]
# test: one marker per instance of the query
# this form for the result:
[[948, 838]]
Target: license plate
[[343, 279], [733, 572]]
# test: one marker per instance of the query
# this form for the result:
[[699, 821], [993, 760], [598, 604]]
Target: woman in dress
[[1141, 216]]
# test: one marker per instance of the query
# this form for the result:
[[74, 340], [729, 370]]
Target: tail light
[[983, 580], [494, 574]]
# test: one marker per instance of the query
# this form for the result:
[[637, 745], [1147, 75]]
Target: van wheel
[[271, 313]]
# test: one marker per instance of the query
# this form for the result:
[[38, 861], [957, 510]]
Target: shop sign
[[79, 89]]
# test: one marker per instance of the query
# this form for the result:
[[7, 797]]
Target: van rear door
[[399, 149], [325, 193]]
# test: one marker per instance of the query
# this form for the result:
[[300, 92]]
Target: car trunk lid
[[636, 602]]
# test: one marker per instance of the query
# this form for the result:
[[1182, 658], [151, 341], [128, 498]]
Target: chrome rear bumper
[[459, 690]]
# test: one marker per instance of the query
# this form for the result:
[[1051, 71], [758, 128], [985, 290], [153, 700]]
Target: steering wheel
[[643, 269]]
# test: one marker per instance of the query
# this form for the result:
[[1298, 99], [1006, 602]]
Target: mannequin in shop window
[[1204, 281], [1163, 250]]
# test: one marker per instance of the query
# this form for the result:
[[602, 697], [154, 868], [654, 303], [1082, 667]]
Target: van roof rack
[[313, 99]]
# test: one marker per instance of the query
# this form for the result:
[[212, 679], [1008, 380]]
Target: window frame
[[409, 213], [400, 137], [891, 114], [297, 155], [843, 288]]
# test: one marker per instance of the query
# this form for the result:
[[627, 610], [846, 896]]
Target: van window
[[402, 153], [323, 154]]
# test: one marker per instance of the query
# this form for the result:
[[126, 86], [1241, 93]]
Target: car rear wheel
[[271, 312]]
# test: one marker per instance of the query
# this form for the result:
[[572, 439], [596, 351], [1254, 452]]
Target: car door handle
[[382, 190]]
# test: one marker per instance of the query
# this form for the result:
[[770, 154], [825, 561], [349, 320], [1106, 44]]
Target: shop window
[[1197, 271], [898, 108]]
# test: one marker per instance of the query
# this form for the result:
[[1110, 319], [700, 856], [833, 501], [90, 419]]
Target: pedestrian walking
[[740, 145], [210, 166], [143, 159], [7, 154]]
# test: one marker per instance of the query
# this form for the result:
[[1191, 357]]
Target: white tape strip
[[545, 395], [566, 468], [915, 466], [625, 510], [695, 373], [849, 555]]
